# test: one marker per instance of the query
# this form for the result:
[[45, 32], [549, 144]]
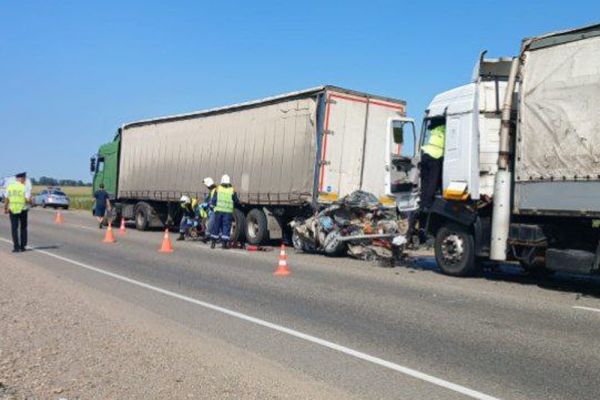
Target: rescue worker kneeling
[[189, 207], [224, 202]]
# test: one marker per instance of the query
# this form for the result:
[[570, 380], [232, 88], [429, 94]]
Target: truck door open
[[402, 174]]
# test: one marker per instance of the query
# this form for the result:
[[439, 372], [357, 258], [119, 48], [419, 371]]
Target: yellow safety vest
[[435, 145], [15, 192], [224, 199]]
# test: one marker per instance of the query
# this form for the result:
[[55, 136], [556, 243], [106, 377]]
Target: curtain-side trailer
[[286, 155]]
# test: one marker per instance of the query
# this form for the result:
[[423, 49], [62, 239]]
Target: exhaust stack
[[503, 179]]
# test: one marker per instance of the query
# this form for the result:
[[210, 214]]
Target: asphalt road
[[371, 332]]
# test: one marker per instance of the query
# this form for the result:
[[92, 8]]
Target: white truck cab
[[472, 115], [521, 171]]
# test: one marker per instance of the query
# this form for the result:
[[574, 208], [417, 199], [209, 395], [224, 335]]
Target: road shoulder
[[61, 339]]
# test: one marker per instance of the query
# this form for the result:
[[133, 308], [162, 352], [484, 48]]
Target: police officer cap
[[21, 175]]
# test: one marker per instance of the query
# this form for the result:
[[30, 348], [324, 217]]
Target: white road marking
[[292, 332], [587, 308]]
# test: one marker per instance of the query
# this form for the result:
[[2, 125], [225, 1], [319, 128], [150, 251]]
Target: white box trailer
[[521, 172], [286, 155]]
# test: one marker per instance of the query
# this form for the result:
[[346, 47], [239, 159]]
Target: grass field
[[80, 196]]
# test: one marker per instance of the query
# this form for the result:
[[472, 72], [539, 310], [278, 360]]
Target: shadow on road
[[44, 247], [586, 286]]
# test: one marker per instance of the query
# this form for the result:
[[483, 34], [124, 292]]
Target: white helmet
[[225, 180], [185, 199], [208, 182]]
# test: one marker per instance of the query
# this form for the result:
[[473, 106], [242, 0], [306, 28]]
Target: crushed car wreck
[[357, 225]]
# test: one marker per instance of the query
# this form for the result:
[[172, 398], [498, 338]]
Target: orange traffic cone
[[109, 237], [122, 229], [166, 246], [282, 268], [59, 218]]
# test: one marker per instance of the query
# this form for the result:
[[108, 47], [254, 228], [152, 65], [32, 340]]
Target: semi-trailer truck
[[287, 156], [521, 167]]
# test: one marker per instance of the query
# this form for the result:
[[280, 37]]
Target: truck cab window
[[100, 167], [403, 139]]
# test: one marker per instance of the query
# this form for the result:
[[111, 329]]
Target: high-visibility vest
[[15, 192], [224, 199], [211, 194], [435, 145]]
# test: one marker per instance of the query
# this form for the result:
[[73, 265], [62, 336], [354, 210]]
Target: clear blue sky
[[73, 71]]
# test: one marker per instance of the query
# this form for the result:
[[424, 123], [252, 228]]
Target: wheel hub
[[252, 227], [453, 248]]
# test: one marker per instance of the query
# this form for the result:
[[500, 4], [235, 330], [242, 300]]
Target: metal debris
[[357, 225]]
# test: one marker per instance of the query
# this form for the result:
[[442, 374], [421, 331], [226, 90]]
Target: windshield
[[57, 193]]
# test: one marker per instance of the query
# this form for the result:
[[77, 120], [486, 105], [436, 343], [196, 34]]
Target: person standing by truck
[[224, 202], [212, 188], [102, 204], [432, 160], [16, 206], [206, 209]]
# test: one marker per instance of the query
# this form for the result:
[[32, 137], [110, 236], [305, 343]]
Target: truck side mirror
[[93, 164]]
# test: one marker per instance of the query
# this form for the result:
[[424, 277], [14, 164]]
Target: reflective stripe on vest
[[15, 192], [435, 146], [224, 199]]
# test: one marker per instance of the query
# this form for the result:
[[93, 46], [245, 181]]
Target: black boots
[[181, 237], [224, 245]]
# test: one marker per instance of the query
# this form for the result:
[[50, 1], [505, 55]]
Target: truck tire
[[238, 227], [257, 231], [142, 216], [455, 250]]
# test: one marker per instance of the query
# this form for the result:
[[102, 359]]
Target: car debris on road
[[357, 225]]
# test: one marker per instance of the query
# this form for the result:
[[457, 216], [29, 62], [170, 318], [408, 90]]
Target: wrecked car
[[357, 225]]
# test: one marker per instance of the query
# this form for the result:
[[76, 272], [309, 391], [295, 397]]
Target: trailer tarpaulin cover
[[268, 150], [560, 113]]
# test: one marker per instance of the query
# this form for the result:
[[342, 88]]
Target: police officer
[[432, 159], [15, 205], [224, 202]]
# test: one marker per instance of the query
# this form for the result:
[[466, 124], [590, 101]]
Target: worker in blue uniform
[[224, 202]]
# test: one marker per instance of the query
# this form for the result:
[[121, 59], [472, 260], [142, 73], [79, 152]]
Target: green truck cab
[[105, 165]]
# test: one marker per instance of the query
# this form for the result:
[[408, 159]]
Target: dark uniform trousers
[[19, 221], [431, 178]]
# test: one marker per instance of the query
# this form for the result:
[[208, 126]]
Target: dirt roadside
[[62, 340]]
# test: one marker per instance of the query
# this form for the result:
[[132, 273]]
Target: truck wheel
[[238, 227], [142, 217], [455, 250], [256, 227]]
